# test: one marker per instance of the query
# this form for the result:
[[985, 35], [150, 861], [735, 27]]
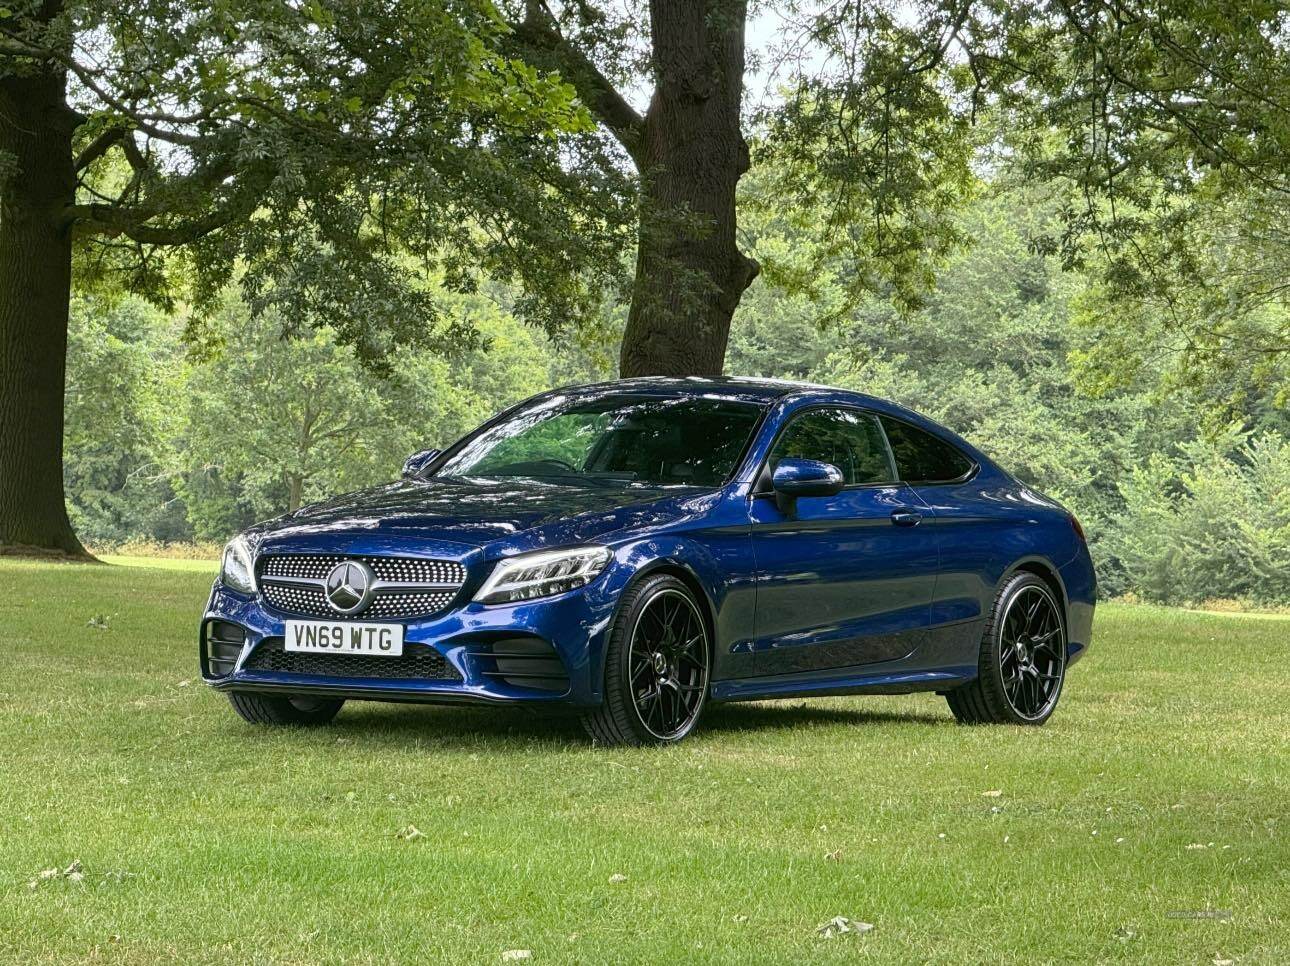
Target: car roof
[[765, 392], [725, 387], [744, 388]]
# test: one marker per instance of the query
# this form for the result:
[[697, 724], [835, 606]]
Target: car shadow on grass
[[374, 724], [770, 716]]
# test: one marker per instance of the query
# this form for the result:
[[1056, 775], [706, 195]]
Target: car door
[[843, 580], [978, 531]]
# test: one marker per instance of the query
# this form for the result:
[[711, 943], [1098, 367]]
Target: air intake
[[223, 645], [522, 662], [417, 662]]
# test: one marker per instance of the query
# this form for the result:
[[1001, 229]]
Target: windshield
[[626, 439]]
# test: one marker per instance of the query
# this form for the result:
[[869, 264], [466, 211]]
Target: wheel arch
[[1045, 571], [674, 568]]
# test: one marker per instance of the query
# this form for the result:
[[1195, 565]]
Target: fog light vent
[[522, 662], [224, 642]]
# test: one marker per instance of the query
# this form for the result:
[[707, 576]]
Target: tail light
[[1079, 530]]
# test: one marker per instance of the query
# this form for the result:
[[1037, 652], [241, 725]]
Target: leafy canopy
[[327, 152]]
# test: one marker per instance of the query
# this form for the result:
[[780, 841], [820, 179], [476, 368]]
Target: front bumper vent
[[224, 642], [417, 662], [522, 662]]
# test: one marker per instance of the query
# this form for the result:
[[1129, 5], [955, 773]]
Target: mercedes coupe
[[639, 549]]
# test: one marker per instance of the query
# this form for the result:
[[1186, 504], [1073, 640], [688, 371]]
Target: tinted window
[[849, 440], [921, 457], [624, 439]]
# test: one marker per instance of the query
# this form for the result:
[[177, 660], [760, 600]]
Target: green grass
[[208, 567], [1161, 789]]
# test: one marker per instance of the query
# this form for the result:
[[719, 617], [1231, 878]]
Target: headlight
[[541, 574], [236, 569]]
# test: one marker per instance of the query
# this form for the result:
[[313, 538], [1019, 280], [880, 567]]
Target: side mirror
[[414, 464], [794, 478]]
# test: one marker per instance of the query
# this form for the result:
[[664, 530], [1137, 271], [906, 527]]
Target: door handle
[[905, 517]]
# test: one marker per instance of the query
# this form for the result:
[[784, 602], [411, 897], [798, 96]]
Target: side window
[[849, 440], [921, 457]]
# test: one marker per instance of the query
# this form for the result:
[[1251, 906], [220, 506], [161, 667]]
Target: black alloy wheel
[[657, 667], [1022, 663]]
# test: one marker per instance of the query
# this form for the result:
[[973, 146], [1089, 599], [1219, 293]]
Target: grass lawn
[[1147, 822], [207, 567]]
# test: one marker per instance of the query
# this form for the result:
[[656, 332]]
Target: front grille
[[418, 661], [298, 600], [411, 570], [311, 602], [414, 587], [400, 603]]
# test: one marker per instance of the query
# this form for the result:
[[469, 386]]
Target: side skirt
[[846, 682], [945, 658]]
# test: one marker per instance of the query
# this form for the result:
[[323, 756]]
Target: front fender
[[719, 569]]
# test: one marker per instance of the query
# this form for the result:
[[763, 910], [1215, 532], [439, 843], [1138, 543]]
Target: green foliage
[[870, 152], [120, 422], [289, 415], [1000, 351], [330, 155], [171, 445], [178, 445], [1211, 521], [1215, 305]]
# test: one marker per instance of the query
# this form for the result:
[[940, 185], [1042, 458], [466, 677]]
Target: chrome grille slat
[[404, 587]]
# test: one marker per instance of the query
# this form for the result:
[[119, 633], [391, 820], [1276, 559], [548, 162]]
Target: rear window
[[921, 457]]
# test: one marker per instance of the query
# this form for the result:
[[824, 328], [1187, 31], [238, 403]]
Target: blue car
[[638, 549]]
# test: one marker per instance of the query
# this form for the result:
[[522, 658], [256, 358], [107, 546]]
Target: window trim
[[974, 466], [761, 479]]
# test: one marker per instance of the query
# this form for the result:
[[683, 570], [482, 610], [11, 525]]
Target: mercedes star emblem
[[349, 586]]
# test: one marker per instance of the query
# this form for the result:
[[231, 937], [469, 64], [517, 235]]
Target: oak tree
[[322, 152], [300, 138]]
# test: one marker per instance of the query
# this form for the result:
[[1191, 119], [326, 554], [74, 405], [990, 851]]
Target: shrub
[[1213, 521]]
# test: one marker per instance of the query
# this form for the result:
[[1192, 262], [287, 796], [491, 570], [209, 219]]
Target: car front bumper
[[565, 632]]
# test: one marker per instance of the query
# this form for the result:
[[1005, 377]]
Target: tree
[[121, 420], [874, 129], [299, 419], [294, 136], [312, 146], [1211, 306], [275, 420]]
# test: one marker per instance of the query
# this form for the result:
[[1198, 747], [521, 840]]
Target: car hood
[[479, 512]]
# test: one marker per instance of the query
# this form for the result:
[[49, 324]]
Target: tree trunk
[[690, 273], [36, 182], [295, 491]]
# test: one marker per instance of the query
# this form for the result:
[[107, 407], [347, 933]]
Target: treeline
[[181, 429]]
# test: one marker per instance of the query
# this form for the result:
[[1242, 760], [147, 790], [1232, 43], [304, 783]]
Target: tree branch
[[11, 46], [539, 30], [133, 221], [98, 147]]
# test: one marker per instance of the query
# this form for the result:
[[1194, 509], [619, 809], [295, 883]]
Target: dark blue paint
[[872, 589]]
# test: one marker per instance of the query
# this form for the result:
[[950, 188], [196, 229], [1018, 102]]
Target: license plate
[[344, 637]]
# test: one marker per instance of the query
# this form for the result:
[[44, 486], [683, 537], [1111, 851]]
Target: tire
[[272, 709], [656, 681], [1022, 664]]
